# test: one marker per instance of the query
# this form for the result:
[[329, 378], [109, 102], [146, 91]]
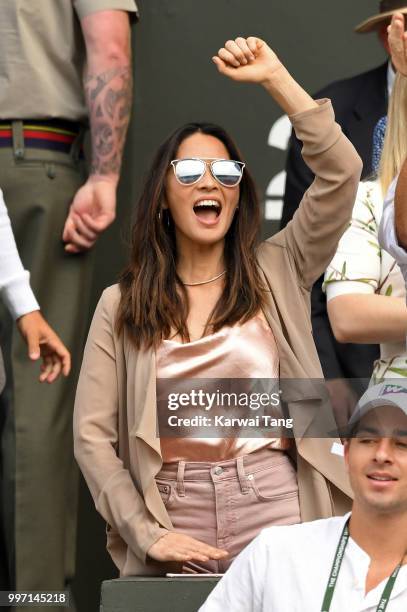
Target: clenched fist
[[247, 59]]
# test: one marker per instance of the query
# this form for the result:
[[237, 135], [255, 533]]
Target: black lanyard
[[336, 566]]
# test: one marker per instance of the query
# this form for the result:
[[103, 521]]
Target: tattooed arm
[[108, 91]]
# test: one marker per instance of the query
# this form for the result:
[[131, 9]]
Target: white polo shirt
[[286, 569], [387, 232]]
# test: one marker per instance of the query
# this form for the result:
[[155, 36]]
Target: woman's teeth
[[207, 209]]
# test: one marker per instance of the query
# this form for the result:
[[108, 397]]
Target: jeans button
[[218, 470]]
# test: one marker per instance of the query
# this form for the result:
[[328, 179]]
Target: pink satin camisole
[[241, 351]]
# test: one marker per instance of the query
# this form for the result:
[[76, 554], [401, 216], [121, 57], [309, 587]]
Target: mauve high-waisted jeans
[[227, 503]]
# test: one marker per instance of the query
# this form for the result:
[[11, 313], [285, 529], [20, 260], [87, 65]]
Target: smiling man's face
[[377, 460]]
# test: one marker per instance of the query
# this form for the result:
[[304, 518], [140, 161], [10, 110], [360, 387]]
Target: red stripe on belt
[[40, 136]]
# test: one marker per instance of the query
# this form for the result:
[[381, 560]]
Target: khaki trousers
[[226, 504], [40, 478]]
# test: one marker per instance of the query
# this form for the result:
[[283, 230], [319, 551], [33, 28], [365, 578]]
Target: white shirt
[[15, 287], [286, 569], [387, 231], [361, 266]]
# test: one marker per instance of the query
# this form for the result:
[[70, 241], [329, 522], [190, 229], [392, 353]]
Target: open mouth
[[207, 210]]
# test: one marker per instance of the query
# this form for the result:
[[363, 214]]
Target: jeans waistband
[[240, 468], [222, 470]]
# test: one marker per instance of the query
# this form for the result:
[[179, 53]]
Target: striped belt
[[52, 134]]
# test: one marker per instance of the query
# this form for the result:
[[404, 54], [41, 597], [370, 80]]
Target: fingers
[[203, 548], [78, 235], [220, 64], [180, 547], [33, 344], [84, 229], [67, 228], [397, 41], [191, 554], [239, 52], [228, 58], [46, 369], [56, 359], [243, 45], [236, 51], [50, 369], [195, 550], [253, 43], [396, 31], [98, 224], [43, 342], [397, 22]]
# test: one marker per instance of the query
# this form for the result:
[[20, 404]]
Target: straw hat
[[387, 9]]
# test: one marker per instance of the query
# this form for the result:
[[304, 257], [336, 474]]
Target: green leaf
[[374, 245], [343, 269], [401, 371], [389, 290]]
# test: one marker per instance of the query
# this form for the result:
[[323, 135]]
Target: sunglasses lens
[[228, 172], [188, 171]]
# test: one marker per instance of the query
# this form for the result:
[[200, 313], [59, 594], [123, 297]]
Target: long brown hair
[[153, 300]]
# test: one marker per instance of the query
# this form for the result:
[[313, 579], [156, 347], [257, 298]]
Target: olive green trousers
[[39, 487]]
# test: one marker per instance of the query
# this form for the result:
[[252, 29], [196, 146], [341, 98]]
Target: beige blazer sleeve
[[96, 436], [326, 207]]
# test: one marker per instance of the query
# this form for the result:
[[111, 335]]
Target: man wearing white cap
[[355, 563]]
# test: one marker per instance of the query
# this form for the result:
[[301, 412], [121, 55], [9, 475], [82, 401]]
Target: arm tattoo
[[109, 97]]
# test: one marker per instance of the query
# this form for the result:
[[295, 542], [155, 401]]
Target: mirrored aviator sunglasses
[[227, 172]]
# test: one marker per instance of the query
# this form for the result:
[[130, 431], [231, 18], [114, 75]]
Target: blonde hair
[[395, 141]]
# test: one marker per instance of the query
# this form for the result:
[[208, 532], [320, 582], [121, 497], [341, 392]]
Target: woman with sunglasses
[[201, 298]]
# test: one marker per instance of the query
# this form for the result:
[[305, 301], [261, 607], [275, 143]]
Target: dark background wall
[[175, 82]]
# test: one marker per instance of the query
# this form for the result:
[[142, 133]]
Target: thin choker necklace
[[205, 282]]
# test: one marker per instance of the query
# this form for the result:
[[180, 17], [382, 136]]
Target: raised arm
[[108, 92], [311, 237], [251, 60], [398, 48], [298, 178]]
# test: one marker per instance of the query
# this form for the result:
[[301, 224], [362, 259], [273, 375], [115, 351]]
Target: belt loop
[[242, 475], [17, 130], [77, 144], [180, 479]]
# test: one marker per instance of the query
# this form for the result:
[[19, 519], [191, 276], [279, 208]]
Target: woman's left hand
[[247, 59], [398, 43]]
